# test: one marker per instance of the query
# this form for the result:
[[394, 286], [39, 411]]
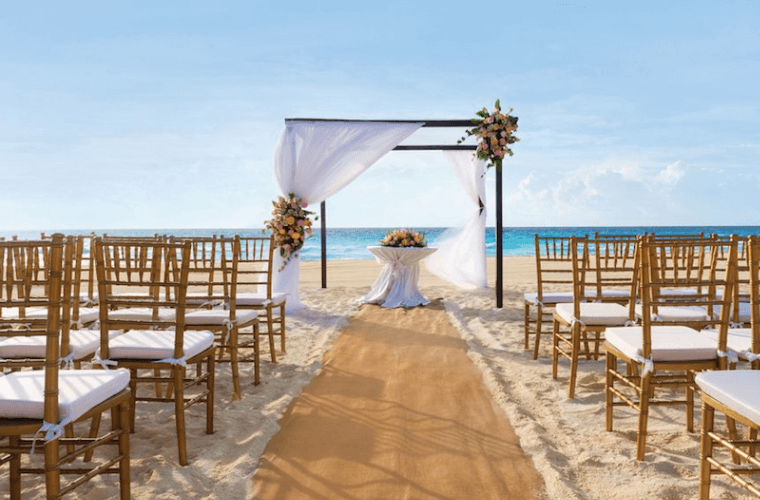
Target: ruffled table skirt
[[396, 286]]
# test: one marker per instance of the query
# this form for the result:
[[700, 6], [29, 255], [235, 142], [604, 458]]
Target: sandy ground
[[565, 439]]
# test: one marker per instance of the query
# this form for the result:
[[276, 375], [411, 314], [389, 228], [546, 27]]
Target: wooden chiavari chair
[[659, 357], [734, 393], [255, 261], [583, 321], [212, 287], [39, 403], [554, 284], [142, 288]]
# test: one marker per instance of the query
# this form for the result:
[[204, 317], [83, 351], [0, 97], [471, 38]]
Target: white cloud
[[671, 175]]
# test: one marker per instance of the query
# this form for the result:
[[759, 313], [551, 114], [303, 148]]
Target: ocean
[[352, 243]]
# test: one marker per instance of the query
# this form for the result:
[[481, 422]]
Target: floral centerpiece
[[290, 225], [496, 132], [403, 238]]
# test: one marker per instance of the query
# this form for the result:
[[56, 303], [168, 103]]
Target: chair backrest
[[554, 263], [144, 274], [688, 265], [37, 274], [752, 246], [613, 268], [255, 257], [213, 271]]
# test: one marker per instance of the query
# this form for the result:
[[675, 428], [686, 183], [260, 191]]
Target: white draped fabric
[[461, 255], [316, 159]]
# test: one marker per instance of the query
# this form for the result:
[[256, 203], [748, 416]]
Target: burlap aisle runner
[[399, 412]]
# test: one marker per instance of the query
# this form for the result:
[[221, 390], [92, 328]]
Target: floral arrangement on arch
[[495, 131], [290, 225], [404, 238]]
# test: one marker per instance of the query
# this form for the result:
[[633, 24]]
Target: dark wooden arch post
[[499, 260], [323, 237]]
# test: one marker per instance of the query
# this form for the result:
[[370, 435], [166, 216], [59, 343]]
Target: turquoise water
[[351, 243]]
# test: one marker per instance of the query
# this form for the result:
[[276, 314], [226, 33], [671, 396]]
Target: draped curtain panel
[[316, 159], [461, 255]]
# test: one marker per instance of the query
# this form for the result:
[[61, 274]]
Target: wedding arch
[[317, 157]]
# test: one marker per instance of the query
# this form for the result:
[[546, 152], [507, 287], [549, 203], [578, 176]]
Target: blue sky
[[166, 114]]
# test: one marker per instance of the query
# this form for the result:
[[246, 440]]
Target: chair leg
[[733, 435], [121, 420], [526, 325], [641, 435], [236, 392], [690, 401], [15, 442], [574, 352], [270, 332], [52, 469], [132, 398], [210, 387], [256, 356], [555, 348], [94, 428], [179, 412], [610, 370], [539, 321], [705, 451], [282, 327]]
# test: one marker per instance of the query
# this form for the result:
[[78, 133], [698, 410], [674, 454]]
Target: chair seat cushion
[[548, 298], [158, 344], [736, 389], [258, 299], [201, 299], [141, 314], [82, 343], [739, 339], [217, 317], [676, 314], [88, 315], [595, 313], [22, 393], [669, 343], [745, 311]]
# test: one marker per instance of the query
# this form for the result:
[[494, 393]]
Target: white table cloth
[[396, 286]]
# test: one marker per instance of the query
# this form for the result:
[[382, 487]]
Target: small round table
[[396, 286]]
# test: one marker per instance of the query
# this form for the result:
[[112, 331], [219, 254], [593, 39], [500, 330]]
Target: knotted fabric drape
[[316, 159], [461, 255]]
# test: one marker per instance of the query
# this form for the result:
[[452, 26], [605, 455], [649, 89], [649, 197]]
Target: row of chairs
[[166, 311], [670, 315]]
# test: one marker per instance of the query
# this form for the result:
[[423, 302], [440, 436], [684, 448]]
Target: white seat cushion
[[676, 314], [158, 344], [739, 339], [141, 314], [745, 311], [88, 315], [669, 343], [217, 317], [736, 389], [258, 299], [81, 342], [22, 393], [12, 313], [595, 313], [200, 299], [548, 298]]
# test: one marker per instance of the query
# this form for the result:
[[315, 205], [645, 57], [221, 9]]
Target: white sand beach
[[565, 439]]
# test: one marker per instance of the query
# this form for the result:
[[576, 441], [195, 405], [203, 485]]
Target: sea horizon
[[350, 243]]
